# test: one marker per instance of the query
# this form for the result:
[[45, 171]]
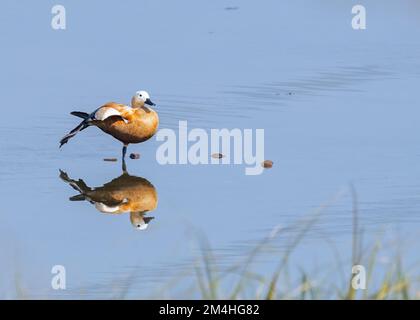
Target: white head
[[139, 221], [141, 98], [141, 225]]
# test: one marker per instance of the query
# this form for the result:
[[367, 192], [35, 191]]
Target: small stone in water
[[267, 164], [217, 155], [111, 159], [134, 156]]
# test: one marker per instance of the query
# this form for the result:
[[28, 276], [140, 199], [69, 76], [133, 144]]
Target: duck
[[129, 124], [126, 193]]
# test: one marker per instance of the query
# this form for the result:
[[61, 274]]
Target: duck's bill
[[149, 102]]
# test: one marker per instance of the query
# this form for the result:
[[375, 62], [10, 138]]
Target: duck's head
[[139, 221], [141, 99]]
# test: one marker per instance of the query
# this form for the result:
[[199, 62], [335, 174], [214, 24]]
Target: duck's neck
[[136, 103], [139, 104]]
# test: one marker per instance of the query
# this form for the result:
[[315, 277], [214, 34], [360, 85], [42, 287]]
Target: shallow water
[[338, 107]]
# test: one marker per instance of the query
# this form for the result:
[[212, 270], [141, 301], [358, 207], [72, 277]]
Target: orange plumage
[[134, 124]]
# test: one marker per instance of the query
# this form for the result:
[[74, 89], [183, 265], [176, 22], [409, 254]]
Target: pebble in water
[[217, 155], [267, 164]]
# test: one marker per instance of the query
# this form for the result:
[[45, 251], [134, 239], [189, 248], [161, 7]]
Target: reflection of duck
[[123, 194]]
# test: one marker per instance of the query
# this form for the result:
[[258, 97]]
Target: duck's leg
[[124, 151]]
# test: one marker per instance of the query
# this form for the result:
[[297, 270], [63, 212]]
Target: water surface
[[338, 107]]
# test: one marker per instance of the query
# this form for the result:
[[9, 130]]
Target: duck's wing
[[112, 109]]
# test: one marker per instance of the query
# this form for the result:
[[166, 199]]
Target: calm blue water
[[352, 116]]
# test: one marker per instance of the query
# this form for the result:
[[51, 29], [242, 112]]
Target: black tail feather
[[79, 197], [80, 114]]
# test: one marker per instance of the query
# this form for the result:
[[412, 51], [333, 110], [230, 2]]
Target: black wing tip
[[62, 143], [66, 138], [63, 175]]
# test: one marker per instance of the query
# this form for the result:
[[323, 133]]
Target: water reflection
[[126, 193]]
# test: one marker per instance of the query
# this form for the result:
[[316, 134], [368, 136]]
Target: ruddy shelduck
[[126, 193], [128, 124]]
